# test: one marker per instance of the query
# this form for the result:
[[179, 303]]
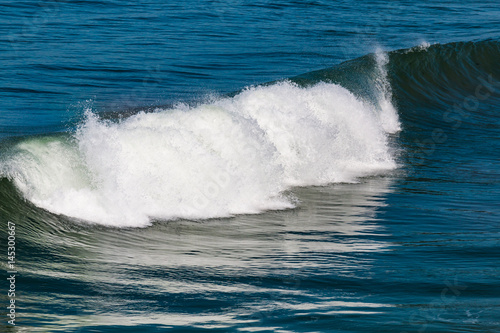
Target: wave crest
[[231, 156]]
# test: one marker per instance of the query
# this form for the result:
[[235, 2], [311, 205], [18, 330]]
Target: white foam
[[422, 46], [230, 156]]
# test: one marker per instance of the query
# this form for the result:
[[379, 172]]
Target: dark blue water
[[159, 182]]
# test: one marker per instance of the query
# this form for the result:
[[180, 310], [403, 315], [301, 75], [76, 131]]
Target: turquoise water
[[264, 167]]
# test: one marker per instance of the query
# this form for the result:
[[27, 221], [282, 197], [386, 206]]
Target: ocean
[[250, 166]]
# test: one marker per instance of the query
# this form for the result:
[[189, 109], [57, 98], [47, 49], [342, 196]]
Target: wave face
[[233, 155], [438, 74], [444, 74]]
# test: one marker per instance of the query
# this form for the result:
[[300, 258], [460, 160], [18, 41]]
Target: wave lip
[[234, 155]]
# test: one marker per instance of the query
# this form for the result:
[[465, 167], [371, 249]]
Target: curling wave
[[233, 155]]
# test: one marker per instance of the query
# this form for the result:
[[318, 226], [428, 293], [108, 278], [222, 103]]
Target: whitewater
[[230, 155]]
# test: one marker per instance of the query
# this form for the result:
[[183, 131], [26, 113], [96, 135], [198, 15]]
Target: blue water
[[251, 166]]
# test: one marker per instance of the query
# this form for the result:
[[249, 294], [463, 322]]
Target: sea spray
[[388, 114]]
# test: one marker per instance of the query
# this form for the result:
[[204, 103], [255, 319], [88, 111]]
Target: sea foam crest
[[234, 155]]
